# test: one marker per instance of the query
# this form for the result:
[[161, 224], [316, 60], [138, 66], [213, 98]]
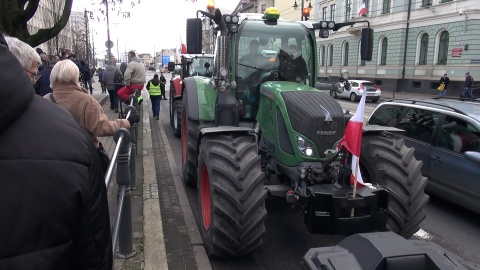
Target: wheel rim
[[184, 139], [205, 197], [175, 119], [353, 97]]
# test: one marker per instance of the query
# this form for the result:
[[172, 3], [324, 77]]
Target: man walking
[[163, 81], [153, 87], [112, 79], [445, 81], [134, 76], [467, 90]]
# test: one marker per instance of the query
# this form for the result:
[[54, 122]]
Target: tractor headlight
[[223, 72], [304, 146], [301, 143]]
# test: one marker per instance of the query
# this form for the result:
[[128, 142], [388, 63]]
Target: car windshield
[[282, 47]]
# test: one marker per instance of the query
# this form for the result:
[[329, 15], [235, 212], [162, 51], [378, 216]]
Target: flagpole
[[355, 183]]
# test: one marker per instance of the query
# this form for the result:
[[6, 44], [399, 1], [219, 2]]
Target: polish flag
[[352, 139], [362, 9], [184, 48]]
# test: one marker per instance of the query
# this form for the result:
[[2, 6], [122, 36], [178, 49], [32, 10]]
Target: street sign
[[109, 44]]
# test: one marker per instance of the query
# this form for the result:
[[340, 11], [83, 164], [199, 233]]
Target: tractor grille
[[308, 112]]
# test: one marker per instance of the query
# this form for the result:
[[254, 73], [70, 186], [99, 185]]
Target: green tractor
[[191, 65], [258, 126]]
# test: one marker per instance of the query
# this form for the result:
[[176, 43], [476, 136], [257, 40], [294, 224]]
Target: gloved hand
[[133, 118]]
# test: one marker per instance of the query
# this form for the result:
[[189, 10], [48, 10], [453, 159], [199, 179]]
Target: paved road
[[287, 239]]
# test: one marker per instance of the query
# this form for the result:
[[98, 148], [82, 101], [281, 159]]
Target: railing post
[[133, 140], [125, 241]]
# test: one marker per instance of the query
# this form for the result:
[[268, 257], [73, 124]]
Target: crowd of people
[[53, 193]]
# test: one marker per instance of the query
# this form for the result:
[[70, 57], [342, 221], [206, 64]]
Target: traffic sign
[[109, 44]]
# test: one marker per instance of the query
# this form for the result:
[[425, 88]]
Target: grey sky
[[153, 24]]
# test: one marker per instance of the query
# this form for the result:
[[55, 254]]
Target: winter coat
[[445, 80], [468, 81], [153, 86], [111, 76], [42, 85], [86, 110], [135, 72], [53, 204]]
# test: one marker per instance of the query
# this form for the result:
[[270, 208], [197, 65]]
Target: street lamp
[[305, 10], [295, 6]]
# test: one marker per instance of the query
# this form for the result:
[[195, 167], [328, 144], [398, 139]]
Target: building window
[[332, 12], [330, 55], [324, 13], [264, 7], [443, 48], [422, 60], [345, 54], [322, 56], [426, 3], [348, 9], [360, 61], [383, 51], [386, 6]]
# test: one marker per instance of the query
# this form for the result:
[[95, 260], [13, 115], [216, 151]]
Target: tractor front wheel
[[231, 195], [177, 117], [189, 147], [387, 161]]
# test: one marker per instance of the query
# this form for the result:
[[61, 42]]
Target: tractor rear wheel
[[177, 117], [170, 101], [189, 147], [231, 195], [387, 161]]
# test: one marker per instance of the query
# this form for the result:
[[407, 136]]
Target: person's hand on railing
[[134, 117]]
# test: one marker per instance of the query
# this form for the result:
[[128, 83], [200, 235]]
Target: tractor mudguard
[[375, 128], [177, 85], [380, 251], [200, 98]]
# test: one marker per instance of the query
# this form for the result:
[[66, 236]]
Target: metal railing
[[124, 156]]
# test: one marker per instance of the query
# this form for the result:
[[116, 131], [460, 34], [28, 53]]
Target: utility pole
[[301, 8], [93, 49], [109, 51], [118, 52]]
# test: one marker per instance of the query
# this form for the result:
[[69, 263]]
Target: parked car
[[356, 90], [446, 136]]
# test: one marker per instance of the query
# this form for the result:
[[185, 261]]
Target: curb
[[155, 256]]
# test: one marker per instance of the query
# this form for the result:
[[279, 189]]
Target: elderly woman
[[84, 108], [26, 55]]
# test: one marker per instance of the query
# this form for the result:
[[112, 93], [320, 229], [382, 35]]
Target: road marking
[[423, 235]]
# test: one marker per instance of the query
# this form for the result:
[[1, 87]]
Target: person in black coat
[[42, 85], [53, 200]]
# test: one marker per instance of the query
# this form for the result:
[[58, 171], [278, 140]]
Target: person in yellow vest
[[153, 87]]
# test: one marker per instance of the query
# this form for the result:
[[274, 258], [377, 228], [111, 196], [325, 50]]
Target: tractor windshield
[[284, 48], [201, 66]]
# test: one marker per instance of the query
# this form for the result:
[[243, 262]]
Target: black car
[[446, 136]]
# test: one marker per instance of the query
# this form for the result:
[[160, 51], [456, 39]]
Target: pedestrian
[[72, 57], [134, 77], [100, 76], [163, 81], [83, 107], [467, 89], [112, 79], [44, 64], [56, 58], [53, 199], [123, 68], [154, 89], [445, 81], [87, 76], [26, 55], [42, 85]]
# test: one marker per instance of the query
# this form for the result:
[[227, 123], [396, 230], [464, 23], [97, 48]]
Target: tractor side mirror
[[194, 36], [366, 49], [171, 66]]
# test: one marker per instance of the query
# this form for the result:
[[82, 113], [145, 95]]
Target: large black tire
[[387, 161], [177, 117], [231, 195], [194, 36], [189, 129]]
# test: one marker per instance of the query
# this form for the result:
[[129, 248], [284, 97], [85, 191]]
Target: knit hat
[[467, 74]]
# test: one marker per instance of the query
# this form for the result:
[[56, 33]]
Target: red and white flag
[[362, 9], [182, 45], [352, 139]]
